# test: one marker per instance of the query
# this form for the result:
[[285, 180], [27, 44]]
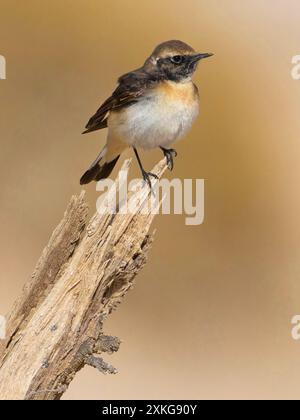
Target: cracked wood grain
[[56, 326]]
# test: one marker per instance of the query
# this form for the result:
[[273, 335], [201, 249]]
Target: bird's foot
[[147, 178], [169, 155]]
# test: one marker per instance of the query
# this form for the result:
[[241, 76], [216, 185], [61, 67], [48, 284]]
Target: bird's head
[[174, 60]]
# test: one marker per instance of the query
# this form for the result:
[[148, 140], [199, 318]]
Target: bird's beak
[[198, 57]]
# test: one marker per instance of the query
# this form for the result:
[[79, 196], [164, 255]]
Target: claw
[[169, 155], [147, 176]]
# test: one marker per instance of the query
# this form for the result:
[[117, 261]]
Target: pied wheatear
[[152, 107]]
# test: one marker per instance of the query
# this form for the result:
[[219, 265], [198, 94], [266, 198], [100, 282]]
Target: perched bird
[[152, 107]]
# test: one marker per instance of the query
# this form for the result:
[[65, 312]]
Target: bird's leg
[[169, 155], [146, 175]]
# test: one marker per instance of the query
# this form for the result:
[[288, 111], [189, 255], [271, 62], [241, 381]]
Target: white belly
[[154, 121]]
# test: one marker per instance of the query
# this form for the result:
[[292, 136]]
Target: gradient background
[[210, 316]]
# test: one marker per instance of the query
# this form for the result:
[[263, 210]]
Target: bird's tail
[[99, 169]]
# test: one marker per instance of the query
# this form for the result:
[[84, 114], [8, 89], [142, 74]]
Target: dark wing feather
[[131, 87]]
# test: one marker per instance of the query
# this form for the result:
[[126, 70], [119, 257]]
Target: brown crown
[[174, 47]]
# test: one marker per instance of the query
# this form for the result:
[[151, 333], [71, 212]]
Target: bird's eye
[[177, 59]]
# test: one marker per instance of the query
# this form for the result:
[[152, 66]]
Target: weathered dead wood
[[56, 326]]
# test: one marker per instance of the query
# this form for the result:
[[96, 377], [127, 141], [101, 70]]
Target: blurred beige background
[[210, 314]]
